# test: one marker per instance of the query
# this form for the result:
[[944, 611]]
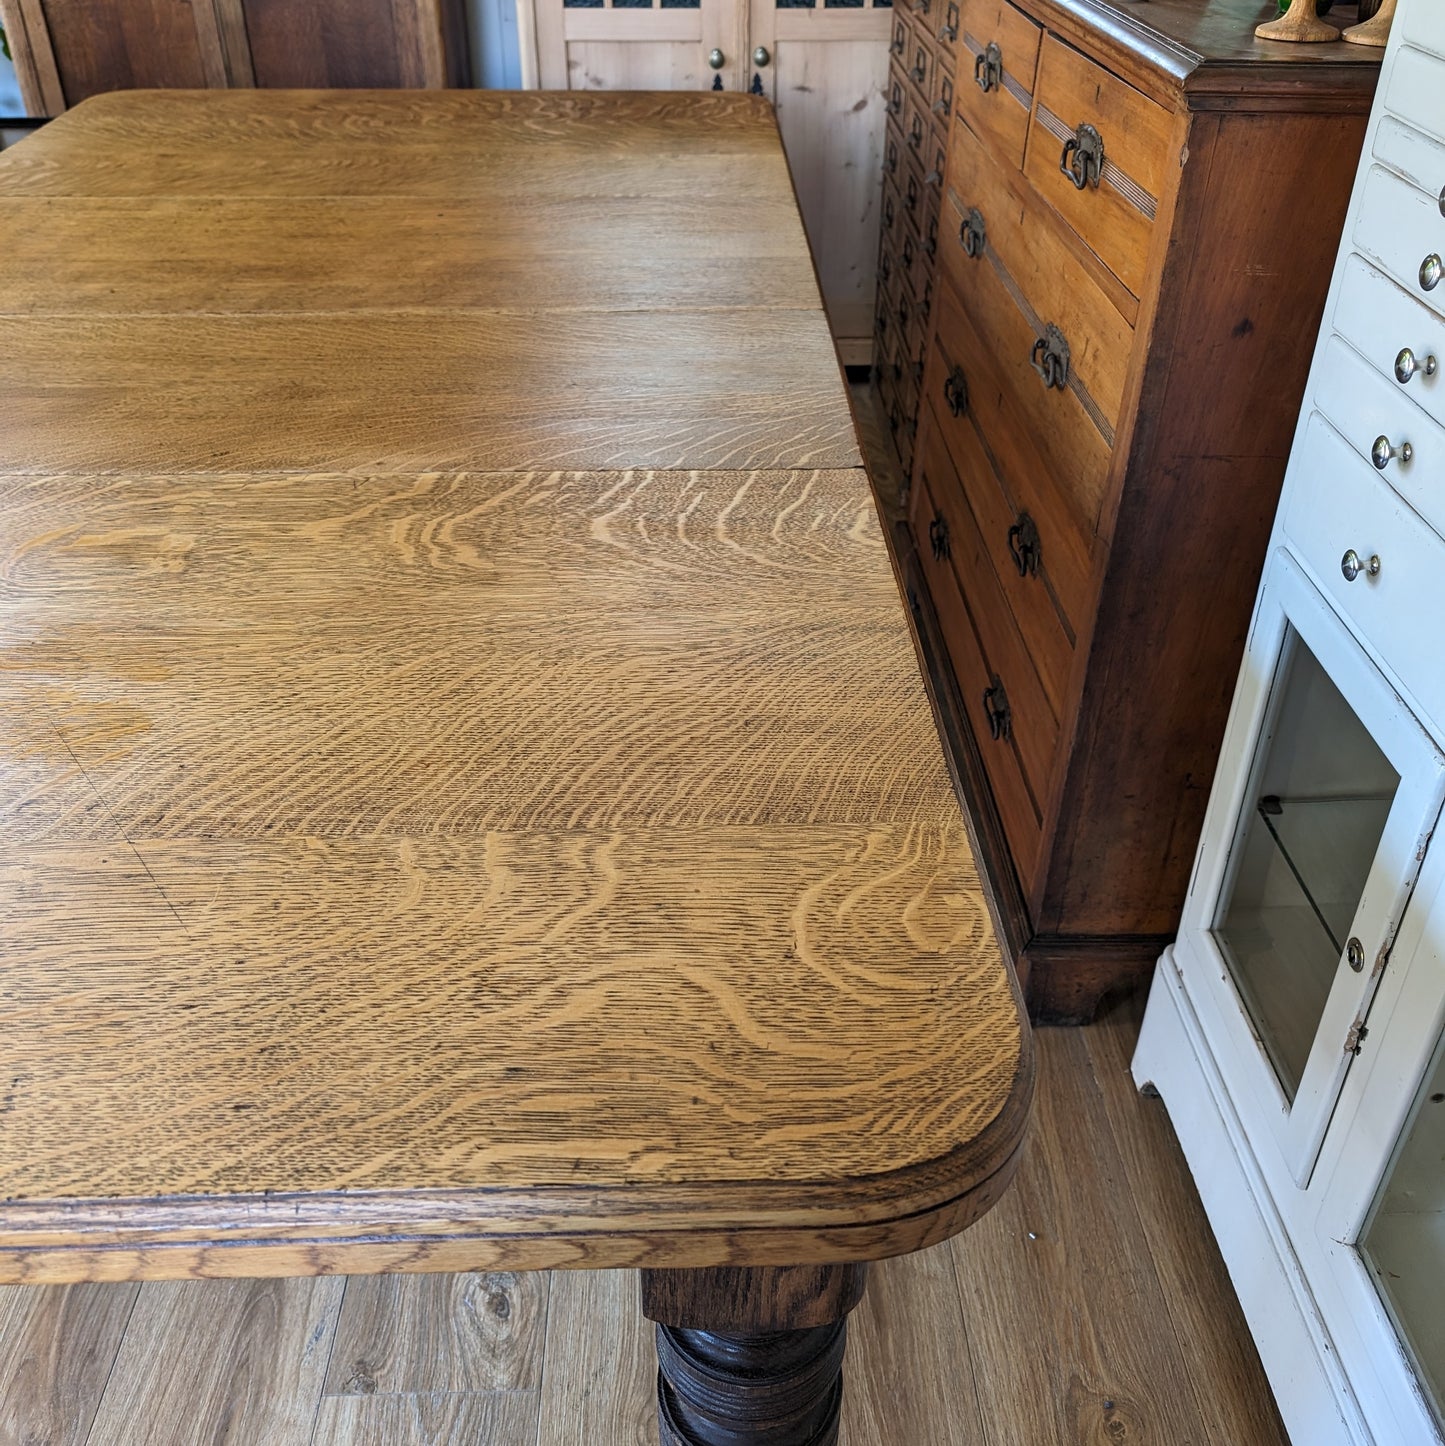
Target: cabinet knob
[[1355, 953], [1352, 565], [1384, 452], [1431, 270], [1407, 364], [761, 56], [716, 59]]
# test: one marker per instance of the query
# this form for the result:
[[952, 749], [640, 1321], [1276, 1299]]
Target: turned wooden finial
[[1298, 23], [1375, 30]]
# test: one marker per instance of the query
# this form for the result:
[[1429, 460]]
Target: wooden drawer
[[1345, 505], [919, 15], [995, 98], [1045, 567], [1382, 322], [1032, 248], [918, 200], [893, 150], [890, 216], [946, 34], [941, 102], [1113, 211], [942, 551], [917, 128], [1402, 229], [1066, 424], [921, 62], [897, 102], [913, 259], [898, 43], [1364, 405]]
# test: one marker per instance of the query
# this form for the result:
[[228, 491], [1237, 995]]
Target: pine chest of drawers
[[1119, 282]]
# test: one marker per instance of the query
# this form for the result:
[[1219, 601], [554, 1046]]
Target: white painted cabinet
[[1295, 1028]]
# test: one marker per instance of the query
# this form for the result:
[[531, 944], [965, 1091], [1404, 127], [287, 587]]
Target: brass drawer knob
[[1431, 269], [1050, 358], [1384, 452], [938, 537], [1352, 566], [996, 709], [1025, 546], [1082, 160], [973, 233], [988, 67], [955, 392], [1407, 364]]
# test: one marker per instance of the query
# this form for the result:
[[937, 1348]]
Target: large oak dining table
[[468, 794]]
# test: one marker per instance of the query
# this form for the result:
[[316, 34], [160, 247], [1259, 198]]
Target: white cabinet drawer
[[1422, 24], [1382, 321], [1416, 82], [1401, 226], [1363, 405], [1335, 503]]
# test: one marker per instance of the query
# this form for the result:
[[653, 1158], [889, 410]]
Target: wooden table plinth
[[468, 798]]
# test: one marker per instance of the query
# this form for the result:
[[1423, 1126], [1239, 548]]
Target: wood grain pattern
[[491, 1418], [259, 1378], [60, 1342], [411, 869]]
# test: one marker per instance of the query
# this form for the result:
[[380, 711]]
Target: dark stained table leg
[[751, 1356]]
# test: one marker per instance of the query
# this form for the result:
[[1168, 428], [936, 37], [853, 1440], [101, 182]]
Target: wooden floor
[[1091, 1306]]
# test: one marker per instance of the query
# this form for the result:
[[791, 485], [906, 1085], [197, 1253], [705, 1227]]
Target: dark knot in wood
[[783, 1388]]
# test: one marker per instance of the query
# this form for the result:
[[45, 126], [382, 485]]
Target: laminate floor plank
[[58, 1344], [1228, 1381], [1065, 1315], [601, 1372], [221, 1362], [477, 1418], [428, 1335], [909, 1379]]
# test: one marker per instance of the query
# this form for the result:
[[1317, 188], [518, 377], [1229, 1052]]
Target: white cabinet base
[[1314, 1398]]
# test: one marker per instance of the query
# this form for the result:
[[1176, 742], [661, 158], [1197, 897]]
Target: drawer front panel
[[1053, 404], [998, 51], [946, 36], [1419, 78], [1336, 503], [1402, 229], [1082, 108], [1363, 405], [1064, 574], [1404, 339], [917, 128], [920, 69], [976, 673], [1046, 270], [898, 42], [941, 102], [1013, 538], [890, 219]]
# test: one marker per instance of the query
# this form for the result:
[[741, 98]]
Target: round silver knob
[[1355, 953], [1442, 200], [761, 56], [1352, 565], [1383, 452], [1407, 364], [1431, 270], [716, 59]]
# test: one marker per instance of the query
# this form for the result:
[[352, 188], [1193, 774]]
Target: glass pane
[[1404, 1243], [1321, 795]]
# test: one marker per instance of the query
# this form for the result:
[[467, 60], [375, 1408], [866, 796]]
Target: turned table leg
[[751, 1356]]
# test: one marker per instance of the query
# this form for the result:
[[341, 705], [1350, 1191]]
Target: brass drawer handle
[[1384, 452], [955, 392], [948, 32], [973, 233], [915, 133], [900, 39], [1050, 357], [988, 67], [938, 537], [1352, 565], [920, 67], [1083, 158], [1407, 364], [1025, 546], [895, 100], [996, 709]]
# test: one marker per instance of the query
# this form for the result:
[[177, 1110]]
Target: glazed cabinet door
[[638, 44], [825, 68], [1329, 792]]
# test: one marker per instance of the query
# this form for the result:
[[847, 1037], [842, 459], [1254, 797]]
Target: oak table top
[[468, 794]]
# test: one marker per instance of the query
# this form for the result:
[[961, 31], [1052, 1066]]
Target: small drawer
[[1404, 340], [914, 197], [947, 33], [1064, 561], [1420, 25], [1013, 537], [1334, 504], [913, 260], [989, 698], [1418, 79], [1402, 229], [890, 216], [916, 335], [903, 310], [917, 128], [999, 47], [1369, 409], [1098, 151], [920, 70], [940, 102], [893, 150], [898, 42], [919, 14], [897, 103]]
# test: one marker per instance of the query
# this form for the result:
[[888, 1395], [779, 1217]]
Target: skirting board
[[1313, 1394]]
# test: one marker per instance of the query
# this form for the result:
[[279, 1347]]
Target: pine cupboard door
[[636, 44], [825, 68]]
